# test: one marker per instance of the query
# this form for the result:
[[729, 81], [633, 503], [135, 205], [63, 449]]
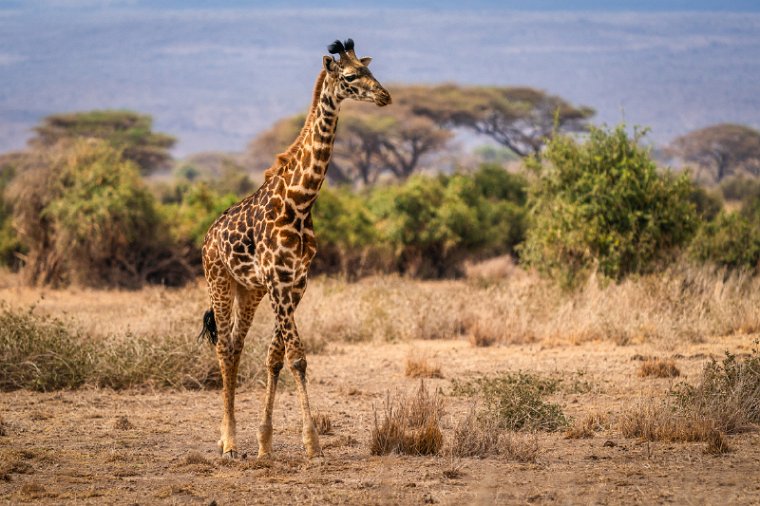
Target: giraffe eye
[[350, 78]]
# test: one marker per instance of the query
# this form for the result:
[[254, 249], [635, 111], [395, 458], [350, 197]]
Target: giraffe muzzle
[[382, 97]]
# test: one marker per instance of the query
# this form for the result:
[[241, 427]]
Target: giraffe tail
[[209, 328]]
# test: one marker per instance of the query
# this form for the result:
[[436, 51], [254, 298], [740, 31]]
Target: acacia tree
[[127, 131], [724, 149], [368, 143], [520, 118]]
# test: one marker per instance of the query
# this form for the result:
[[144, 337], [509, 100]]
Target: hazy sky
[[214, 77]]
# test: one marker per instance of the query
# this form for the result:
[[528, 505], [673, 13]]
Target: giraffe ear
[[366, 60], [331, 66]]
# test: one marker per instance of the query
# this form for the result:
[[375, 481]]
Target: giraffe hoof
[[230, 455]]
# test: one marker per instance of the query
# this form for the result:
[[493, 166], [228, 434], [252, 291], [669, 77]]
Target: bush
[[516, 400], [602, 204], [40, 353], [86, 217], [410, 425], [730, 240], [43, 353], [348, 240], [433, 223], [728, 393]]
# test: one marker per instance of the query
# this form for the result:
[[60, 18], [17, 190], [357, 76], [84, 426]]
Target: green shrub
[[730, 240], [516, 401], [602, 204], [432, 223], [85, 216], [191, 216], [346, 233]]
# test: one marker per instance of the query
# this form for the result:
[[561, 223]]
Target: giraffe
[[265, 244]]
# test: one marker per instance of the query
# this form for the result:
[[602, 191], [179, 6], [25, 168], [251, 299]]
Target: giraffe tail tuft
[[209, 328]]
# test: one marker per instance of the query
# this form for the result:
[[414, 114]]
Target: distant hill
[[215, 78]]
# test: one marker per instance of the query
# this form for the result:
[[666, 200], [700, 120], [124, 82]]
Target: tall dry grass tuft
[[410, 425], [419, 366], [659, 368]]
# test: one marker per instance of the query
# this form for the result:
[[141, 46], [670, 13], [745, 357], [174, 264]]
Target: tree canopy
[[723, 150], [520, 118], [398, 140], [127, 131]]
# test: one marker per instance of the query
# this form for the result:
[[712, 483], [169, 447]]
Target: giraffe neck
[[312, 156]]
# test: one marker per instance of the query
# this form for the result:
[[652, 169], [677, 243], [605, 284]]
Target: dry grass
[[322, 423], [520, 447], [475, 436], [123, 423], [122, 339], [410, 425], [659, 368], [661, 421], [418, 366], [588, 426]]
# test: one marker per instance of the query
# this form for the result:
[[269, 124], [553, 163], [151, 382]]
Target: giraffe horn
[[348, 44], [337, 47]]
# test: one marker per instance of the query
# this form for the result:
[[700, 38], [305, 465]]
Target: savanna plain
[[498, 388]]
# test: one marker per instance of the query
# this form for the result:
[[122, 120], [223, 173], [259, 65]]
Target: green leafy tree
[[86, 217], [602, 204], [129, 132]]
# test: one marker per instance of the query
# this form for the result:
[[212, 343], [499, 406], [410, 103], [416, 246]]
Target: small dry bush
[[410, 425], [659, 368], [520, 447], [42, 353], [516, 400], [475, 436], [726, 400], [588, 426], [322, 423], [418, 366], [12, 462], [728, 393], [662, 421]]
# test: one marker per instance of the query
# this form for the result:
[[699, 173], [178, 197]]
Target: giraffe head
[[352, 75]]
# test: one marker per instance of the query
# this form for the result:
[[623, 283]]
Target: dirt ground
[[78, 447], [143, 446]]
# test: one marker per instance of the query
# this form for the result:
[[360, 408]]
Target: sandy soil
[[158, 447]]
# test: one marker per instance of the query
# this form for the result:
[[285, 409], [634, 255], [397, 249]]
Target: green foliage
[[426, 225], [126, 131], [9, 243], [516, 400], [731, 240], [433, 222], [191, 216], [603, 204], [86, 217], [707, 203]]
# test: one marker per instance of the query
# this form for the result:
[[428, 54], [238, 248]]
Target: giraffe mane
[[286, 156]]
